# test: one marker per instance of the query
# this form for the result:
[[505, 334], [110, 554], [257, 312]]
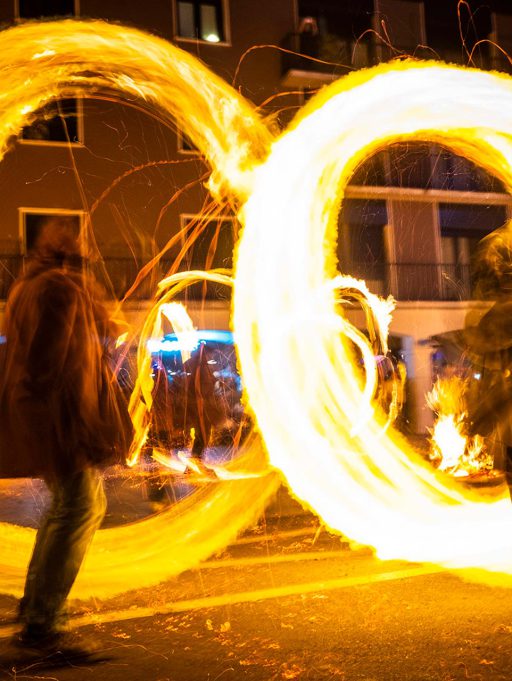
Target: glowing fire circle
[[318, 425], [40, 62], [316, 420]]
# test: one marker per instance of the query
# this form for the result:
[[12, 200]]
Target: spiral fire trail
[[364, 482]]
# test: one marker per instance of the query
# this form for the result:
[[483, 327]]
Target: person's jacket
[[489, 346], [60, 407]]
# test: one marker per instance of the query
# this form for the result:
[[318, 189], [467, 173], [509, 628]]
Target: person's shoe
[[67, 645]]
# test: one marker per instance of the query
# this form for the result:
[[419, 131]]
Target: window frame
[[80, 128], [18, 19], [226, 26], [24, 210]]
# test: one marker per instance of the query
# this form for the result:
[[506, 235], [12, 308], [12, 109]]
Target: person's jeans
[[77, 508]]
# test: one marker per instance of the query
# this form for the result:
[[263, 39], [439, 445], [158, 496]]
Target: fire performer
[[62, 418], [489, 346]]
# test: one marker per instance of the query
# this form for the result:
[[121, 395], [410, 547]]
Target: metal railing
[[117, 275], [416, 281], [404, 281], [312, 53]]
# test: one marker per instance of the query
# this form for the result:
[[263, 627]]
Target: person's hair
[[57, 238]]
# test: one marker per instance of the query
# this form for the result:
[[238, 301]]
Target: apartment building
[[413, 215], [143, 181]]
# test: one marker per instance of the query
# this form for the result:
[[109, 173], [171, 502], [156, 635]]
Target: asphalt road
[[290, 601]]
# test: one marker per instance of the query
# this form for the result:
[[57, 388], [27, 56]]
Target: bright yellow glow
[[363, 481], [90, 58], [450, 441], [317, 419], [456, 452], [182, 325]]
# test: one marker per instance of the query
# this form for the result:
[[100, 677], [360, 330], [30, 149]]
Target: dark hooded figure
[[488, 345], [62, 418]]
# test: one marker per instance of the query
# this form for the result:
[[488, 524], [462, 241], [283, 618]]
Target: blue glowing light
[[171, 343]]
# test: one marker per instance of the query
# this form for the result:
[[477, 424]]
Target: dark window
[[462, 229], [410, 165], [201, 20], [455, 29], [344, 18], [342, 27], [470, 220], [361, 248], [35, 9], [426, 166], [209, 246], [56, 122], [34, 222], [456, 173], [372, 172]]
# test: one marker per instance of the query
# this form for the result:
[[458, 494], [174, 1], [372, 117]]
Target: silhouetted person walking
[[62, 418]]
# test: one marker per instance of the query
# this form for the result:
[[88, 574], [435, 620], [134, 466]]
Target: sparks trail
[[205, 216], [285, 51], [131, 171]]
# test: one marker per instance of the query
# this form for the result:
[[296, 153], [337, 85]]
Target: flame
[[78, 58], [453, 449], [450, 442], [368, 483]]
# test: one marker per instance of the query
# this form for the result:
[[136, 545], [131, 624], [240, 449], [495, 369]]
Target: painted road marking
[[243, 597]]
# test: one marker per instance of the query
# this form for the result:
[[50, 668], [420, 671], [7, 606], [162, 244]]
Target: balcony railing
[[417, 281], [404, 281], [330, 56], [117, 275]]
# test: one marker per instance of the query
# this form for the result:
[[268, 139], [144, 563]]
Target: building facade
[[413, 213]]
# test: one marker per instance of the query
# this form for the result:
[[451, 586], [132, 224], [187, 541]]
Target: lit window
[[201, 20], [35, 9], [56, 122]]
